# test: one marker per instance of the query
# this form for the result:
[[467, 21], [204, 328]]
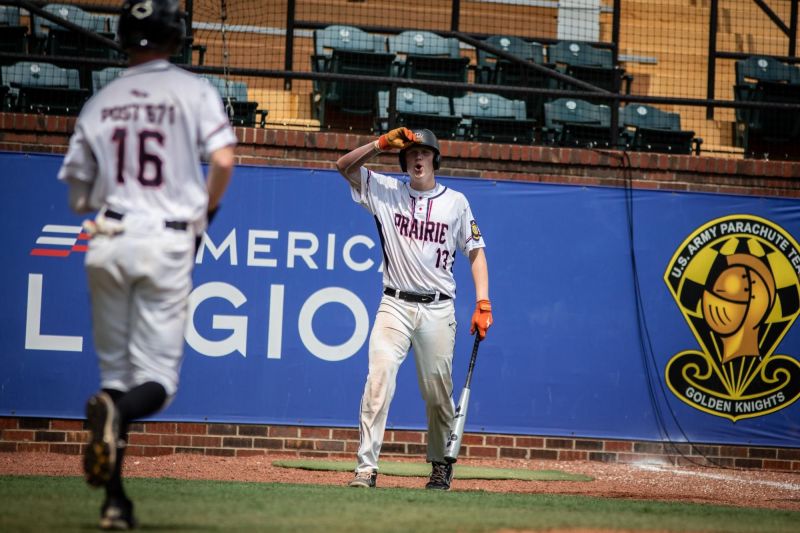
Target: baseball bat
[[454, 441]]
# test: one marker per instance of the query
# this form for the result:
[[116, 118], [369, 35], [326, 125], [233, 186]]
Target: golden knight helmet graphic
[[736, 303]]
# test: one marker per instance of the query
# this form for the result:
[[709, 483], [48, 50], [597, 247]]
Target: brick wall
[[40, 134], [241, 440]]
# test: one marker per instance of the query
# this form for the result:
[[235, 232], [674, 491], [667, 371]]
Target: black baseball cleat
[[117, 515], [366, 479], [101, 451], [441, 476]]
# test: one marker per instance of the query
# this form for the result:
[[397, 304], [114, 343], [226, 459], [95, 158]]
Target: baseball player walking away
[[135, 158], [421, 224]]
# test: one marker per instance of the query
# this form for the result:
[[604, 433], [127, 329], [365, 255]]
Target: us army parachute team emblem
[[736, 280]]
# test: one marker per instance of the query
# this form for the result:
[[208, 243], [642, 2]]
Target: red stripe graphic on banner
[[50, 253]]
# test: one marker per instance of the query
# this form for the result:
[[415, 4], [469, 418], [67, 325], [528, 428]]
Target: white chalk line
[[775, 484]]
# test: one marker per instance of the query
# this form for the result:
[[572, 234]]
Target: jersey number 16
[[145, 159]]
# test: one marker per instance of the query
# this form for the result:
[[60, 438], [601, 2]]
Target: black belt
[[179, 225], [416, 298]]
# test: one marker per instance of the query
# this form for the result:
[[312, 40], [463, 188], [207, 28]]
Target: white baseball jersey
[[139, 138], [420, 232]]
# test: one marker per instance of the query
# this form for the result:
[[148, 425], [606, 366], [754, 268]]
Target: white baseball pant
[[399, 325], [139, 282]]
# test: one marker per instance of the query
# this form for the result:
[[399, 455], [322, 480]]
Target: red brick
[[237, 442], [298, 444], [498, 440], [481, 451], [472, 439], [76, 436], [221, 452], [513, 453], [406, 436], [206, 442], [329, 445], [567, 444], [65, 449], [777, 465], [42, 447], [188, 428], [315, 433], [345, 434], [249, 453], [144, 439], [572, 455], [271, 444], [530, 442], [67, 425], [20, 435], [284, 431], [160, 427], [176, 440]]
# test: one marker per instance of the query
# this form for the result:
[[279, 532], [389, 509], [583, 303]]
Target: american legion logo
[[736, 281]]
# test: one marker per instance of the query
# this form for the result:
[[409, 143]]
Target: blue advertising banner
[[618, 314]]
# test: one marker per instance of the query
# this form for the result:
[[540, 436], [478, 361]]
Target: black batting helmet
[[152, 24], [424, 138]]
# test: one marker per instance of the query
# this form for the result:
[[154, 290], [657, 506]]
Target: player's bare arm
[[482, 317], [349, 165], [219, 175], [79, 193]]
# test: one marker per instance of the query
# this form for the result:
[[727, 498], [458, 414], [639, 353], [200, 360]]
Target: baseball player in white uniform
[[135, 158], [422, 224]]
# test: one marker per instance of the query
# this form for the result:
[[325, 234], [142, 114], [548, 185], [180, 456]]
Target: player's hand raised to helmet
[[398, 138], [481, 318]]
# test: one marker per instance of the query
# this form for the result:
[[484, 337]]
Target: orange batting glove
[[481, 318], [397, 138]]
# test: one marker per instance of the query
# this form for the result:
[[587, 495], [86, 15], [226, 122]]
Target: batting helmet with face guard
[[151, 24], [424, 138]]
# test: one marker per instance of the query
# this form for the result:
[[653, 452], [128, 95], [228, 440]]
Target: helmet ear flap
[[437, 161], [403, 165]]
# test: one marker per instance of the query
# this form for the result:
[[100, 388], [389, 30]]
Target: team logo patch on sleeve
[[476, 233]]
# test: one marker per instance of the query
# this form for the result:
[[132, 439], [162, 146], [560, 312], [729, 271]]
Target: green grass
[[423, 470], [34, 503]]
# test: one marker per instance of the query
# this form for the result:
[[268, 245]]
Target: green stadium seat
[[649, 129], [578, 123], [351, 51], [749, 72], [102, 77], [500, 71], [241, 111], [43, 88], [418, 109], [494, 118], [13, 35], [423, 55], [588, 63]]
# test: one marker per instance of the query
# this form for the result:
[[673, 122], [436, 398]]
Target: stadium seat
[[348, 50], [13, 35], [488, 62], [494, 118], [57, 40], [649, 129], [241, 111], [418, 109], [102, 77], [422, 55], [574, 122], [587, 63], [501, 71], [44, 88], [749, 72], [772, 132]]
